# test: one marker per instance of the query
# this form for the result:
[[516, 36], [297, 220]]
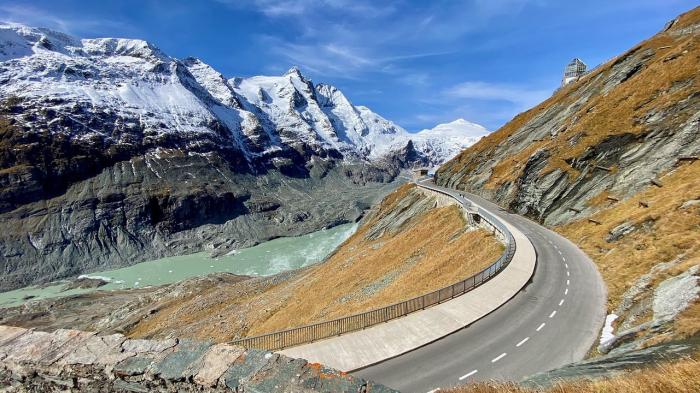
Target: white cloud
[[285, 8], [350, 39], [33, 17], [337, 59]]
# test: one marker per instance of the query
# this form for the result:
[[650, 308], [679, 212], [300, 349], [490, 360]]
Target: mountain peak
[[457, 128], [294, 71], [264, 114]]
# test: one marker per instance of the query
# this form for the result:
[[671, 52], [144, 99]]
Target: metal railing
[[318, 331]]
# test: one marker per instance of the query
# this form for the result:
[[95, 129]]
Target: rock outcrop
[[78, 361]]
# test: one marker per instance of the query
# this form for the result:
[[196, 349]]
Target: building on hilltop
[[574, 70]]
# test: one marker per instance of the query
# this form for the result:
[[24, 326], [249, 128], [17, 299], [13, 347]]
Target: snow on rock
[[606, 335], [133, 84]]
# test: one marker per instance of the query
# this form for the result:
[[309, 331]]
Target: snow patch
[[607, 336]]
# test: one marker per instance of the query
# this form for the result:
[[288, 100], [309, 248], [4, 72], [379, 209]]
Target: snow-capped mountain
[[110, 89], [447, 139]]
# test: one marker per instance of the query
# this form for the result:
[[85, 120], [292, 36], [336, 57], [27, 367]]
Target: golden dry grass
[[671, 231], [430, 251], [688, 322], [678, 377]]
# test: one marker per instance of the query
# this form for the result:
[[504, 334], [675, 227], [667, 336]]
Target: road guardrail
[[323, 330]]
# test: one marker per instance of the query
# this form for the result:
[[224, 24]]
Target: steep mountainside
[[611, 161], [112, 152]]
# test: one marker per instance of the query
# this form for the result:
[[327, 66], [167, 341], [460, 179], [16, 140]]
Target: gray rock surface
[[613, 364], [621, 230], [647, 311], [71, 360], [675, 294]]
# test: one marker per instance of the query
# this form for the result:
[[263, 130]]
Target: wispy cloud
[[349, 38], [487, 103], [334, 59], [523, 97], [33, 16], [285, 8], [37, 17]]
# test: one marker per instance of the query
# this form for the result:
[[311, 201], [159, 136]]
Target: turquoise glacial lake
[[268, 258]]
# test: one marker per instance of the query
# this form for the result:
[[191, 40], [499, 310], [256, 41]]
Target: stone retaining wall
[[72, 360]]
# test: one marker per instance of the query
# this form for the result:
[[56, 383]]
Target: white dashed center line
[[561, 302], [566, 291], [499, 357], [467, 375], [567, 283], [523, 341], [567, 273], [563, 259], [540, 327], [566, 265], [553, 314]]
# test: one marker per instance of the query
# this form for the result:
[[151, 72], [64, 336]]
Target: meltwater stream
[[271, 257]]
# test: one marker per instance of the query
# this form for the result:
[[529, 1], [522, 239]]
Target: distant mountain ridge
[[140, 86], [448, 139]]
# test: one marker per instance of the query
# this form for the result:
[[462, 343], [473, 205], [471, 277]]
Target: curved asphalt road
[[553, 321]]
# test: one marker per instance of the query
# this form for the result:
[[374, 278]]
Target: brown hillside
[[617, 146]]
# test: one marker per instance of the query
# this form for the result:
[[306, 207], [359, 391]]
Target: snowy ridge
[[132, 85]]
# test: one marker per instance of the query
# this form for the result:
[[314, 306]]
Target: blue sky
[[418, 63]]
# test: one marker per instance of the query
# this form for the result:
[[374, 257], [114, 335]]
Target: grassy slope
[[427, 252]]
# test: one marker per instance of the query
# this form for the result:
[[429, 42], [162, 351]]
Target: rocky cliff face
[[611, 161], [112, 152]]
